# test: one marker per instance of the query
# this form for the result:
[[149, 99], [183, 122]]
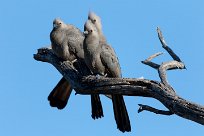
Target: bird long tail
[[121, 114], [97, 109], [59, 96]]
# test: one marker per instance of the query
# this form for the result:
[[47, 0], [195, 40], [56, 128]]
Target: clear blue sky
[[130, 27]]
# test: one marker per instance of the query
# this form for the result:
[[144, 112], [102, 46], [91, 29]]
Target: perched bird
[[67, 44], [101, 60], [66, 41], [96, 20]]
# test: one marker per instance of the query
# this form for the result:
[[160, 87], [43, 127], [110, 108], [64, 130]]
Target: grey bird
[[103, 61], [67, 44], [96, 20]]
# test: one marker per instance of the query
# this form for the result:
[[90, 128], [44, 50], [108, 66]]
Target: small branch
[[154, 56], [166, 66], [164, 45], [154, 110], [152, 64]]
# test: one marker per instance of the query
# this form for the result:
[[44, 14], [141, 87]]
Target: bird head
[[96, 20], [57, 23], [89, 28]]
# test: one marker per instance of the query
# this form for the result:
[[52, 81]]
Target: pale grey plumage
[[67, 44], [67, 41], [101, 59], [92, 49]]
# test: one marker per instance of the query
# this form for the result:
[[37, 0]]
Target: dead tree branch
[[162, 91], [154, 110]]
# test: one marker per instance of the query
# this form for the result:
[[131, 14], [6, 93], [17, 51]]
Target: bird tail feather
[[120, 113], [59, 96], [97, 109]]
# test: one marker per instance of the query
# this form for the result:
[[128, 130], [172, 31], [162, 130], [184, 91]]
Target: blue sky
[[130, 27]]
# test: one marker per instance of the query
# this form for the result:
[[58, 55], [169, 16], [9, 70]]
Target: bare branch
[[176, 64], [154, 56], [152, 64], [125, 86], [166, 66], [164, 45], [154, 110]]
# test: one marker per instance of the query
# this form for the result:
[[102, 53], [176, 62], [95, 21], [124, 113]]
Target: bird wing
[[110, 61]]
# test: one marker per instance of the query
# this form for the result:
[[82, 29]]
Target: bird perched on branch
[[67, 44], [102, 60]]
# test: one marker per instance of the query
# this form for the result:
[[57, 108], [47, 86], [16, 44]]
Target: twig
[[164, 45], [152, 64], [154, 110]]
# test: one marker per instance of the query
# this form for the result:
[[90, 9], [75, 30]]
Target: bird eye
[[94, 20], [91, 31]]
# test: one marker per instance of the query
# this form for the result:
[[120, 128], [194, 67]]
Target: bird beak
[[86, 32]]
